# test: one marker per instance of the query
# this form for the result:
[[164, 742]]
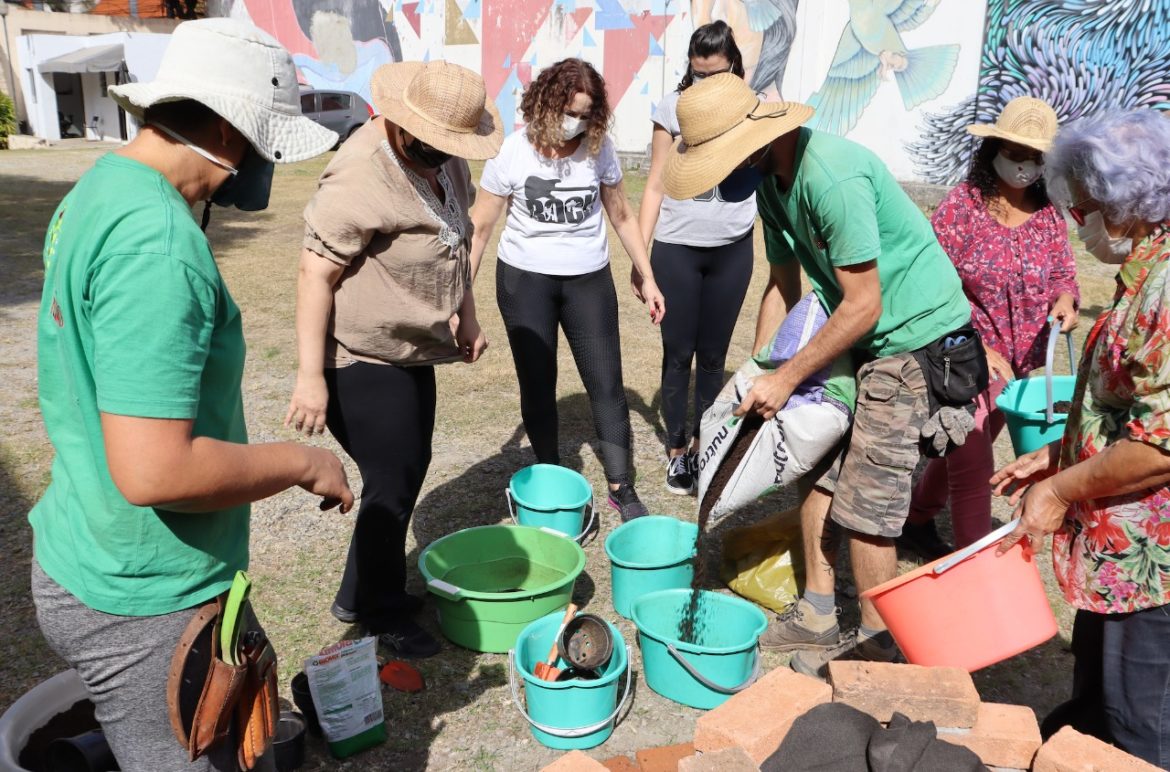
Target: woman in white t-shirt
[[558, 174], [702, 251]]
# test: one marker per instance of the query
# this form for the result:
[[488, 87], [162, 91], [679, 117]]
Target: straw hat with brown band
[[446, 106], [1025, 121], [722, 122]]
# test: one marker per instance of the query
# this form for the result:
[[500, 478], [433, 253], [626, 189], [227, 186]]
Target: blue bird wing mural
[[908, 14], [764, 13], [927, 73], [849, 86], [779, 32]]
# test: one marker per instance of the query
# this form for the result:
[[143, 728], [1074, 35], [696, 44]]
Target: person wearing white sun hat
[[383, 295], [831, 207], [140, 360]]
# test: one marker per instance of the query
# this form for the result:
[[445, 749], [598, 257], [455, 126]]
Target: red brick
[[944, 695], [1003, 736], [726, 760], [621, 764], [664, 758], [574, 761], [1070, 751], [758, 718]]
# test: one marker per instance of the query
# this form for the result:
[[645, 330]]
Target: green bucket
[[1027, 403], [567, 714], [490, 582], [723, 661], [648, 554], [551, 496]]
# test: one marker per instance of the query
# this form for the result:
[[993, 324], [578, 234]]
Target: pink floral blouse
[[1012, 276], [1112, 555]]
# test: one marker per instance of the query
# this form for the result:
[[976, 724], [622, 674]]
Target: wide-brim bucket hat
[[242, 74], [1025, 121], [443, 104], [722, 122]]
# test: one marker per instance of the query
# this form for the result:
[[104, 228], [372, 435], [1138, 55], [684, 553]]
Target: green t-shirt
[[135, 320], [845, 208]]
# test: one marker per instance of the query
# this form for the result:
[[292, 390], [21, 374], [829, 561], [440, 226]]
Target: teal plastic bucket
[[723, 660], [1027, 403], [648, 554], [550, 496], [567, 715]]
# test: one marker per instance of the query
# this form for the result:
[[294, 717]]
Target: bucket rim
[[928, 570], [560, 469], [646, 520], [695, 648], [1003, 402], [465, 593], [619, 649]]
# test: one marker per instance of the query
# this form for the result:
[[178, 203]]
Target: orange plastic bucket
[[969, 609]]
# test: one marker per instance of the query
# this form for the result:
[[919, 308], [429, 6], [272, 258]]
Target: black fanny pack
[[955, 367]]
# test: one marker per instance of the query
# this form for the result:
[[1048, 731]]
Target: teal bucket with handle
[[648, 554], [1027, 403], [574, 714], [724, 658], [553, 497]]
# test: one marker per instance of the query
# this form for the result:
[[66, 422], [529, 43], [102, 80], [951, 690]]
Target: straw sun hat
[[1025, 121], [722, 122], [444, 105], [245, 76]]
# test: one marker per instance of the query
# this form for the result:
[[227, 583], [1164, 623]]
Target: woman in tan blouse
[[383, 294]]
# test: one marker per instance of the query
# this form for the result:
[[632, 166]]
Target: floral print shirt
[[1012, 276], [1112, 555]]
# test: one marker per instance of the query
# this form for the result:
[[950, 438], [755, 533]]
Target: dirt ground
[[465, 718]]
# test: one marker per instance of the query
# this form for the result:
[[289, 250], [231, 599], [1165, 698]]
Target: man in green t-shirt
[[831, 207], [140, 359]]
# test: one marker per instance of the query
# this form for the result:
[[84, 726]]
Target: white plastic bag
[[343, 680]]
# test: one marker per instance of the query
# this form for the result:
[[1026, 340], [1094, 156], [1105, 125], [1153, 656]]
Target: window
[[334, 102], [307, 105]]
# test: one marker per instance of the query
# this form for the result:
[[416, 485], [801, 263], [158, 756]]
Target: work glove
[[948, 425]]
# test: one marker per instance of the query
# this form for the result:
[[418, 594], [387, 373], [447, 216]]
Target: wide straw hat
[[1025, 121], [245, 76], [722, 122], [444, 105]]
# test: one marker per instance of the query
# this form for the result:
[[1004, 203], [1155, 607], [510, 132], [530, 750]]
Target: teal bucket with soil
[[492, 581], [648, 554], [551, 496], [572, 714], [721, 657]]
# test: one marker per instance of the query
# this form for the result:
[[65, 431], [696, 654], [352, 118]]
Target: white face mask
[[572, 127], [180, 138], [1100, 244], [1017, 174]]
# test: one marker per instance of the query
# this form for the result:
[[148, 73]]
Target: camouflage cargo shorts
[[870, 479]]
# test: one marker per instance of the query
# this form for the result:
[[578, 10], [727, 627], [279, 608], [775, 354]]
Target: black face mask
[[249, 188], [424, 155]]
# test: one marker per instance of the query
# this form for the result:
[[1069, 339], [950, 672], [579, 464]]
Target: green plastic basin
[[490, 582]]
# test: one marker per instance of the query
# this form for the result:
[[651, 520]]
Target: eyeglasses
[[702, 75]]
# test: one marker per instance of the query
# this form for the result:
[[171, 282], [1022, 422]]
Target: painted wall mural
[[1081, 56]]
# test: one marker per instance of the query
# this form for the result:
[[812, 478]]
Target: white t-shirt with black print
[[705, 220], [555, 224]]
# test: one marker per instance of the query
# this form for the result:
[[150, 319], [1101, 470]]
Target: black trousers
[[384, 418], [704, 289], [533, 306]]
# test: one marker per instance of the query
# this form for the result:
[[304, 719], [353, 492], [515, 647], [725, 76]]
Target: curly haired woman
[[1011, 249], [559, 173]]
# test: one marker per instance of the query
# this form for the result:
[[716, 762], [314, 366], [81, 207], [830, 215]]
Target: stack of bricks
[[742, 734]]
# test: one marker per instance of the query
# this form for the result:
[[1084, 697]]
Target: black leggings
[[585, 306], [384, 418], [704, 289]]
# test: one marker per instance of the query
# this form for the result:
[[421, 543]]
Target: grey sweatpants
[[123, 662]]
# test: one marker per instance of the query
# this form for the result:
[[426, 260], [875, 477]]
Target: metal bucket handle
[[558, 731], [585, 530], [687, 666], [1049, 357]]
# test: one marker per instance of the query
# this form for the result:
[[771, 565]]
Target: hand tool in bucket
[[545, 671], [210, 689]]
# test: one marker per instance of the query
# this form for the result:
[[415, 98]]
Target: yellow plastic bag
[[763, 562]]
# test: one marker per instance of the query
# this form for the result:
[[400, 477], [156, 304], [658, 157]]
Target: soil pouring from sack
[[687, 633]]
